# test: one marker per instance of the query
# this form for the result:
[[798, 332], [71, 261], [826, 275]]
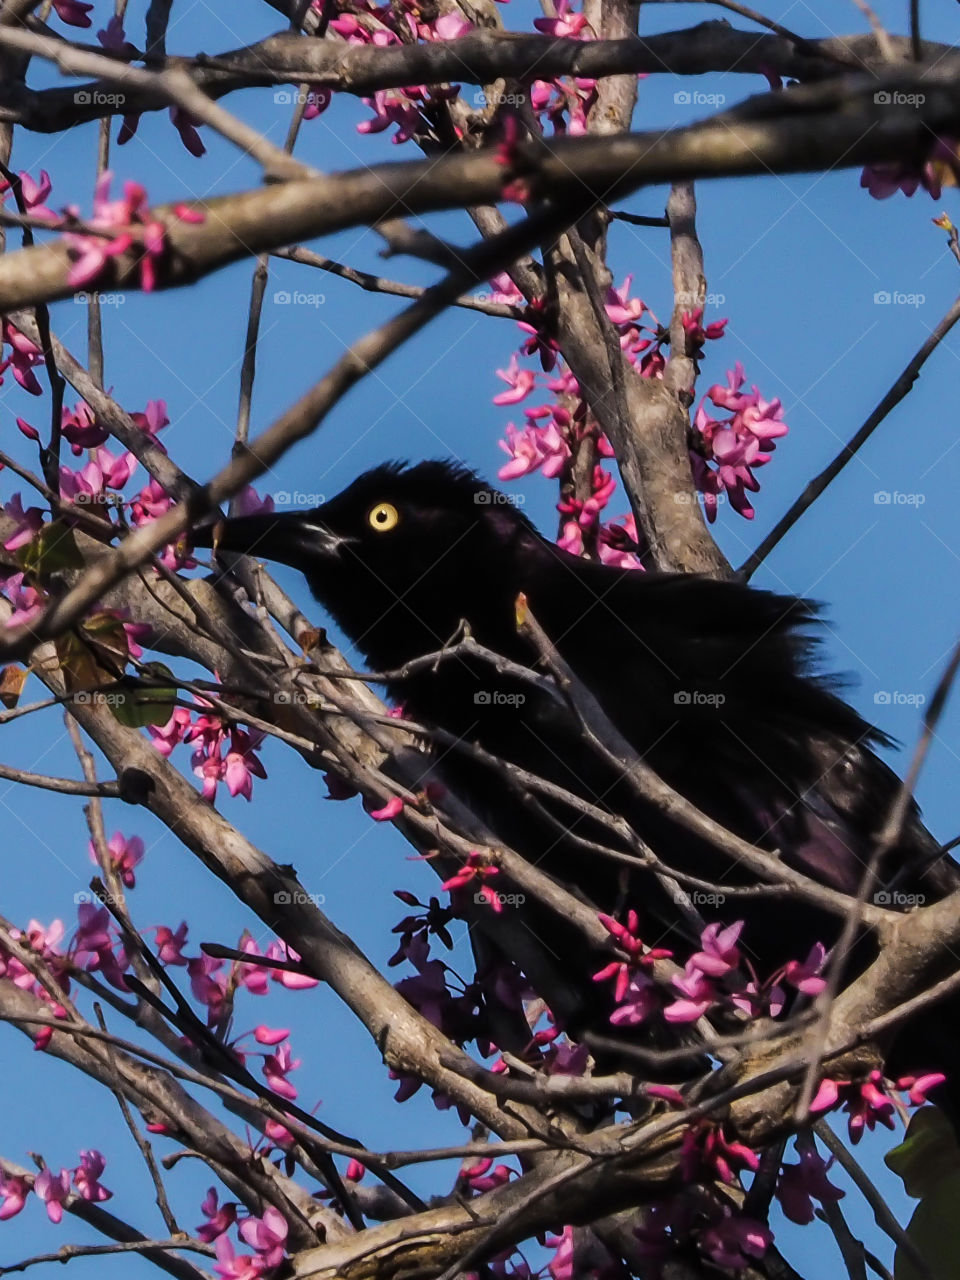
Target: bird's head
[[397, 557]]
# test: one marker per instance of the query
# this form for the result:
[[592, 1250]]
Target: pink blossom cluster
[[939, 168], [266, 1236], [867, 1102], [724, 454], [221, 753], [799, 1185], [728, 450], [476, 873], [125, 223], [96, 487], [407, 108], [564, 103], [696, 1215], [544, 445], [715, 977], [53, 1190]]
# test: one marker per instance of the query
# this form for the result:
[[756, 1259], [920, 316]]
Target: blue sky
[[798, 260]]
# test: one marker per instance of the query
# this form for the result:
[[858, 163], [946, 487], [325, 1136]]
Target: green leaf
[[928, 1161], [136, 705], [52, 549]]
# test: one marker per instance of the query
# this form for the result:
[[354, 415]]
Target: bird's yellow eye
[[383, 517]]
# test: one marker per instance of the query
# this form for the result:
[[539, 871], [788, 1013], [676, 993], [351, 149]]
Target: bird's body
[[711, 683]]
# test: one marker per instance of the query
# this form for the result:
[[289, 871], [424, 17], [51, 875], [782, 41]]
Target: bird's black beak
[[290, 537]]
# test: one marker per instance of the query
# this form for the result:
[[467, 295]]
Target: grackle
[[714, 684]]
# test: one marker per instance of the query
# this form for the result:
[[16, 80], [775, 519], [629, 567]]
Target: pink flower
[[863, 1101], [91, 253], [113, 36], [73, 12], [561, 1265], [287, 977], [24, 356], [27, 601], [698, 333], [620, 307], [13, 1193], [917, 1087], [532, 449], [53, 1189], [733, 1241], [276, 1068], [449, 26], [520, 381], [804, 975], [34, 194], [882, 180], [153, 419], [800, 1184], [270, 1035], [267, 1235], [167, 736], [737, 446], [482, 1176], [697, 994], [720, 953], [29, 523], [80, 427], [249, 503], [392, 809], [219, 1219], [208, 985], [86, 1177], [186, 125], [241, 766], [125, 855], [169, 945], [638, 1002], [504, 290], [571, 539], [233, 1266], [475, 872], [391, 106], [566, 23], [706, 1151]]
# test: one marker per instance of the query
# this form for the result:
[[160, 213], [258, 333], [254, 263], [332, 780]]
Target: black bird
[[713, 683]]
